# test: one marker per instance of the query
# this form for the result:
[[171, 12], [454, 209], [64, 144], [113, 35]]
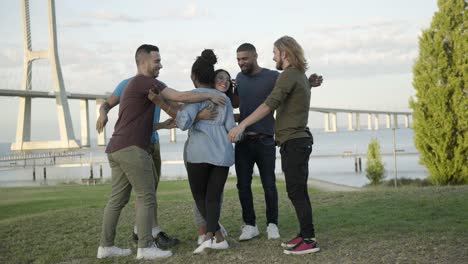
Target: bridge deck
[[51, 94]]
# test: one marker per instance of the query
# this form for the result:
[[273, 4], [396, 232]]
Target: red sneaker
[[292, 243], [305, 247]]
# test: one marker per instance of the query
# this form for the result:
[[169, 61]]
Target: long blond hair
[[294, 52]]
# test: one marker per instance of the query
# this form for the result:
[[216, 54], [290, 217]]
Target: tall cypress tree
[[441, 106]]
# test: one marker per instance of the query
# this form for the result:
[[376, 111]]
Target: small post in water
[[100, 171], [91, 171], [45, 174]]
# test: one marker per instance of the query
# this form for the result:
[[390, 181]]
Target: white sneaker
[[201, 239], [206, 244], [152, 253], [248, 232], [221, 245], [273, 232], [223, 230], [106, 252]]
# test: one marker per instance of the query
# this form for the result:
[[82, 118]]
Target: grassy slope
[[410, 225]]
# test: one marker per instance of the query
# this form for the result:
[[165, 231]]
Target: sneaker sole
[[159, 257], [247, 239], [287, 246], [289, 252], [205, 251], [220, 248]]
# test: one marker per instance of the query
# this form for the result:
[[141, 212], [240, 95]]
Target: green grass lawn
[[62, 224]]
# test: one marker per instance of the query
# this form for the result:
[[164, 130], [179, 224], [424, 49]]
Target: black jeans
[[295, 155], [207, 185], [260, 151]]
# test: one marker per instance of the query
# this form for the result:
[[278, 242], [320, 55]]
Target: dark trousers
[[207, 185], [295, 164], [260, 151]]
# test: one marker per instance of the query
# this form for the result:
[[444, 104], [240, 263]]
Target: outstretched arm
[[157, 99], [110, 102], [192, 97], [167, 124], [253, 118]]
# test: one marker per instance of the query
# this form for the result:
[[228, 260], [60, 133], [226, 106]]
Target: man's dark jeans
[[260, 151], [295, 155]]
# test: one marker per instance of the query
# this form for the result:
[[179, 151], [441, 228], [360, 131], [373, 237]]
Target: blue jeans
[[260, 151]]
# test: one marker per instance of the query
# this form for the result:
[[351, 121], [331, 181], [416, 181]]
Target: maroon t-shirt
[[135, 123]]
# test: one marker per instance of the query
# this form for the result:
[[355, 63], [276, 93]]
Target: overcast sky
[[365, 49]]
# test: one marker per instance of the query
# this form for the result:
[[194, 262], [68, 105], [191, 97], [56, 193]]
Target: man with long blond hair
[[291, 100]]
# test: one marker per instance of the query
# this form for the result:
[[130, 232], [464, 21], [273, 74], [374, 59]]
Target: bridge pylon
[[23, 130]]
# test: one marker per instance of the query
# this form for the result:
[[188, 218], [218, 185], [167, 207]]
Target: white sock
[[135, 230], [155, 231]]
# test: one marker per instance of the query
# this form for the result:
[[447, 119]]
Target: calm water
[[328, 161]]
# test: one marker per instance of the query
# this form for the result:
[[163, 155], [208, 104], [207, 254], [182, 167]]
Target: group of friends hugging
[[217, 139]]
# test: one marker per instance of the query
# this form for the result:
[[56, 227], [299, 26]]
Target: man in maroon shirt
[[129, 160]]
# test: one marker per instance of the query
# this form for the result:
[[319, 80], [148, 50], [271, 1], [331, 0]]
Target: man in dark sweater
[[291, 100], [254, 85]]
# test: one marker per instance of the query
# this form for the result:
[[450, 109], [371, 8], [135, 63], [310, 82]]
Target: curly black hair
[[203, 67]]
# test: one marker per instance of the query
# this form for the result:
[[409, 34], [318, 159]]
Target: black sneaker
[[163, 241]]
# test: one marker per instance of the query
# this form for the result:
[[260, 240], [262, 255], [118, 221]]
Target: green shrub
[[374, 167]]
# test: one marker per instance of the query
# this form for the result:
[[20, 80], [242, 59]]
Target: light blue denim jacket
[[207, 140]]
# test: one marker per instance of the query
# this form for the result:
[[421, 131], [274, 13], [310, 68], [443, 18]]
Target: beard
[[247, 70], [279, 65]]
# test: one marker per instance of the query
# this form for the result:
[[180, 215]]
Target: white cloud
[[366, 49], [192, 11], [114, 17], [188, 12], [77, 24]]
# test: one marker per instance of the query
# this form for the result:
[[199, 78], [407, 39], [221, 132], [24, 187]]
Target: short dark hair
[[144, 49], [203, 67], [246, 47]]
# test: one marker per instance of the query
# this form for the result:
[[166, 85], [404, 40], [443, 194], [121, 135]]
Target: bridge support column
[[327, 121], [407, 121], [358, 122], [376, 121], [389, 121], [23, 128], [350, 122], [395, 120], [101, 140], [23, 133], [84, 118], [173, 135], [369, 121], [334, 124]]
